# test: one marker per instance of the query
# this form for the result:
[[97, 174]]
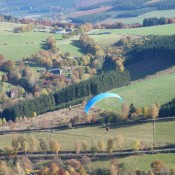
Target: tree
[[74, 163], [137, 145], [154, 112], [84, 145], [125, 109], [114, 167], [15, 143], [34, 114], [101, 145], [54, 169], [25, 146], [93, 149], [77, 144], [4, 121], [82, 171], [0, 121], [33, 143], [43, 144], [145, 111], [120, 140], [9, 65], [132, 110], [20, 170], [44, 92], [55, 146], [44, 171], [110, 146], [157, 166]]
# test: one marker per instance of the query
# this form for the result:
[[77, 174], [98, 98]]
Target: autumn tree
[[77, 144], [74, 163], [125, 109], [9, 65], [84, 145], [33, 144], [137, 145], [44, 171], [154, 112], [55, 147], [82, 171], [4, 121], [0, 121], [114, 167], [119, 140], [101, 145], [54, 169], [145, 111], [157, 166], [43, 144], [15, 144], [110, 146]]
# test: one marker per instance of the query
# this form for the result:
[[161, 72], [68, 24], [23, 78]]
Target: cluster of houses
[[56, 31], [63, 31]]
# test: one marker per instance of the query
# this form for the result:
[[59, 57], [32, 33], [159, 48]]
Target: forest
[[101, 83], [155, 47], [168, 109]]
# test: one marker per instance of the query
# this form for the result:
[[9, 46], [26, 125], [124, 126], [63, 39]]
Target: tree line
[[72, 93], [157, 21], [154, 47], [168, 109]]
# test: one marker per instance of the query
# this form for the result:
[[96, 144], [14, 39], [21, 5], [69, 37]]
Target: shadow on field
[[78, 45]]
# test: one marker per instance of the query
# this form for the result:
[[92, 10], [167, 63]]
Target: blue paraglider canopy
[[98, 98]]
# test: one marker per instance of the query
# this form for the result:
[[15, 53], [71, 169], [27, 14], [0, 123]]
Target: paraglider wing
[[99, 98]]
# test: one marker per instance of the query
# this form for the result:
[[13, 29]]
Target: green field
[[141, 162], [18, 45], [21, 45], [144, 93], [139, 19], [164, 130], [168, 29], [106, 39]]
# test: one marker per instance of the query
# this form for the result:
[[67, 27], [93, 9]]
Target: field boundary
[[81, 125]]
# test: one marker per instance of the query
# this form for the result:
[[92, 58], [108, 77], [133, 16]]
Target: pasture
[[141, 162], [168, 29], [15, 46], [139, 19], [144, 93], [164, 130]]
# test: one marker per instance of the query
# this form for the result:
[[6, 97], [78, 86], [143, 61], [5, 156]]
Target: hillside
[[144, 93]]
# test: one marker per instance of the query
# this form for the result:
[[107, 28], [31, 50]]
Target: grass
[[164, 130], [168, 29], [141, 162], [105, 40], [7, 86], [15, 46], [139, 19], [143, 93]]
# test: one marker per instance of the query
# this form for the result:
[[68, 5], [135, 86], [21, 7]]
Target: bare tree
[[154, 112], [120, 140], [77, 144], [101, 145]]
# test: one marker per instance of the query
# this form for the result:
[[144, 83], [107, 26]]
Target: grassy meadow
[[141, 162], [15, 46], [164, 130], [168, 29], [144, 93], [139, 19]]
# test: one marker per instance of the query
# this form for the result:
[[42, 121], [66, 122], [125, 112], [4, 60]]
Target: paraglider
[[98, 98]]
